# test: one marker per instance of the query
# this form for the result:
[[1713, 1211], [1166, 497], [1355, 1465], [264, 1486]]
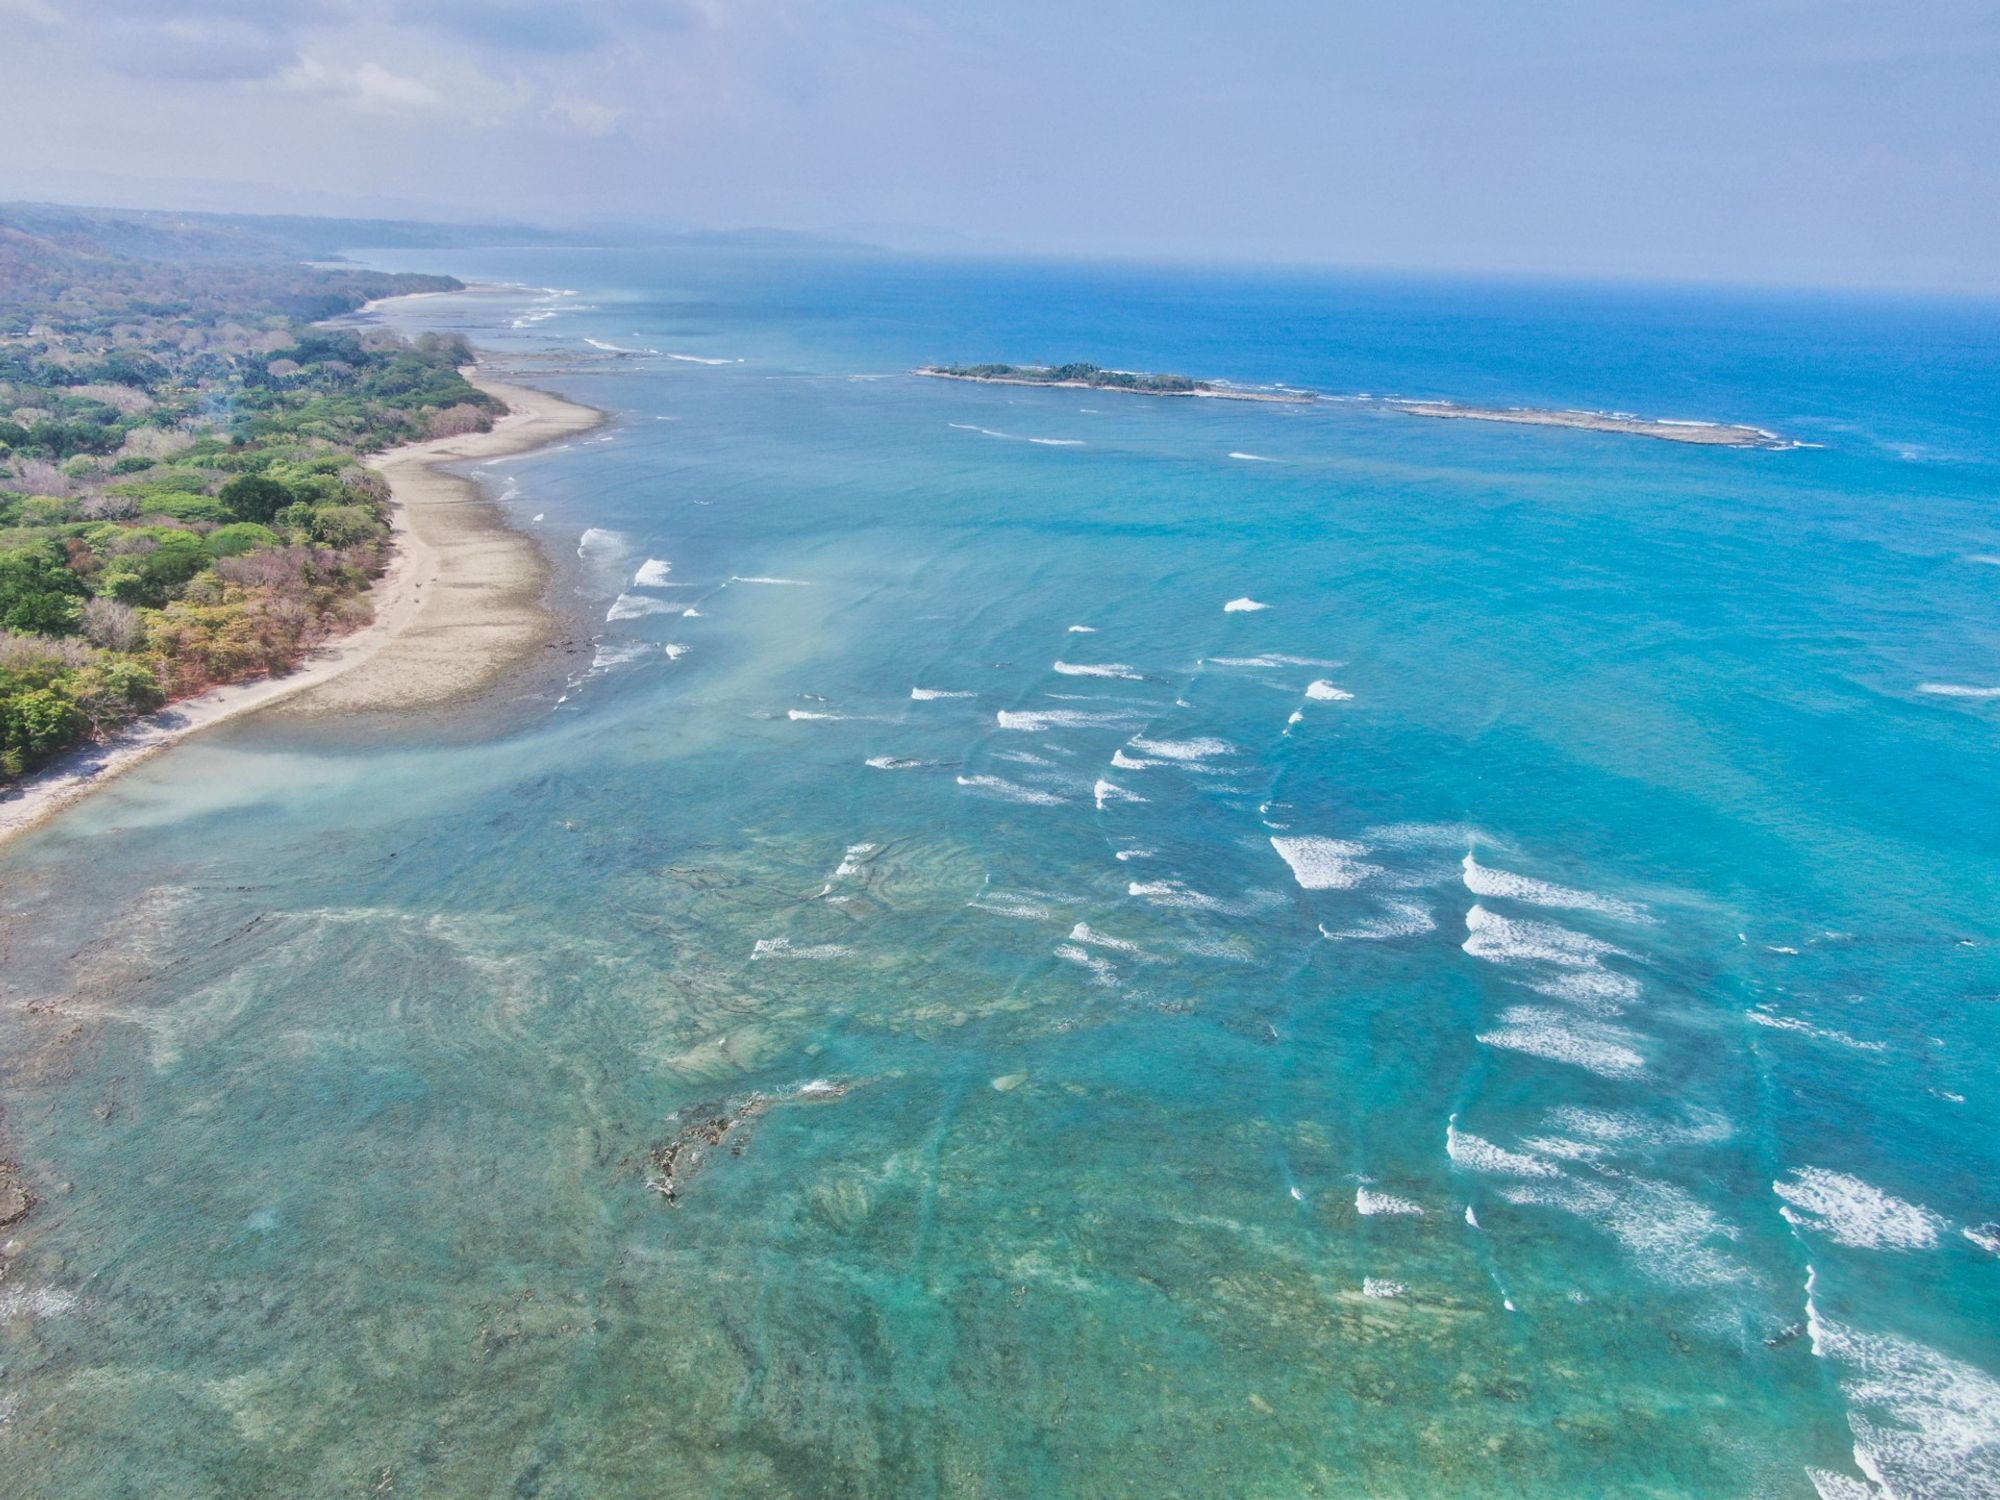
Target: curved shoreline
[[460, 602]]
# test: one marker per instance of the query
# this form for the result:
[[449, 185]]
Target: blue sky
[[1811, 141]]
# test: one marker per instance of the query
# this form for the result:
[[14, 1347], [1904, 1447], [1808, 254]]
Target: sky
[[1766, 141]]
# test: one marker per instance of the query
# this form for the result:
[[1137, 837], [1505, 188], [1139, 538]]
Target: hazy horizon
[[1811, 144]]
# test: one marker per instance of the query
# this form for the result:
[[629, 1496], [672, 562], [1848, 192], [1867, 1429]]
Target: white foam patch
[[1321, 864], [792, 583], [1957, 690], [1174, 895], [1925, 1425], [1096, 669], [1125, 854], [1851, 1212], [1377, 1286], [674, 650], [691, 613], [1477, 1155], [894, 763], [1670, 1233], [1398, 919], [786, 948], [1012, 791], [697, 359], [1036, 721], [1985, 1236], [1817, 1033], [1110, 791], [1372, 1204], [1083, 630], [800, 715], [1252, 458], [652, 573], [1326, 692], [1503, 940], [1697, 1127], [1482, 880], [1101, 969], [1184, 751], [1559, 1036], [1245, 605], [1830, 1486], [928, 695], [634, 607], [596, 541], [37, 1302]]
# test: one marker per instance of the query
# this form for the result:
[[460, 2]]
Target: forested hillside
[[180, 499]]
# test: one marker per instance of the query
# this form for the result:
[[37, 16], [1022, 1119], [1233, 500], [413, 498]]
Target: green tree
[[255, 497]]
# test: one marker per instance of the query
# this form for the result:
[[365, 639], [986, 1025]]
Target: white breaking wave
[[1818, 1033], [1083, 932], [796, 583], [1125, 854], [784, 948], [675, 651], [1503, 940], [691, 613], [1665, 1228], [1371, 1204], [1037, 720], [1242, 606], [1108, 791], [803, 714], [1253, 458], [1957, 690], [1100, 669], [652, 573], [1322, 864], [1376, 1286], [1326, 692], [1558, 1036], [1102, 970], [634, 607], [926, 695], [895, 763], [696, 359], [1182, 750], [1926, 1426], [1852, 1212], [1083, 630], [616, 349], [1477, 1155], [1012, 791], [1172, 893], [1399, 919], [1482, 880], [596, 539]]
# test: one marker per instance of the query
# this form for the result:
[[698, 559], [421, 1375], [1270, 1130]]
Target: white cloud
[[370, 87]]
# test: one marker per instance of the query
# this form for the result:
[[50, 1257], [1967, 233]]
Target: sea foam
[[1482, 880], [1851, 1212], [1322, 864], [1245, 605]]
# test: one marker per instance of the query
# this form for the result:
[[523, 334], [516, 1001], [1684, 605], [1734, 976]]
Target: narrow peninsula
[[1084, 377]]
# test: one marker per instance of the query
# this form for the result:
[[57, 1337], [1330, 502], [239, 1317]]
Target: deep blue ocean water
[[1512, 1014]]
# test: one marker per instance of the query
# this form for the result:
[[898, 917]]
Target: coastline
[[459, 604]]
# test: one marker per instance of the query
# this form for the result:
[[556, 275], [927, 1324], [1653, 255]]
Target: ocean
[[1058, 943]]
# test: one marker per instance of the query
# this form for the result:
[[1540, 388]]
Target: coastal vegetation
[[181, 498]]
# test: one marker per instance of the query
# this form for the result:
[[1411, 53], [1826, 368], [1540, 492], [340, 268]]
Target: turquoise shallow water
[[1515, 1015]]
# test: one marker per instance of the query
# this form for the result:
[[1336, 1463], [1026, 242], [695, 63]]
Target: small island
[[1710, 434], [1084, 377]]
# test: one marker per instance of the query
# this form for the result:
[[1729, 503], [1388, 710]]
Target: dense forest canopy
[[181, 502]]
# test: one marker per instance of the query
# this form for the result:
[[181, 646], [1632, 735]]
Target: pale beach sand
[[460, 604]]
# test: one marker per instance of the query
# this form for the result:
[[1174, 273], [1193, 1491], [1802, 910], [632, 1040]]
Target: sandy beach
[[459, 605]]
